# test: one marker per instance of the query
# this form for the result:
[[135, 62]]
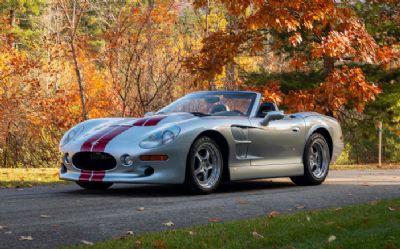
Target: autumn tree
[[328, 32], [73, 10], [142, 55]]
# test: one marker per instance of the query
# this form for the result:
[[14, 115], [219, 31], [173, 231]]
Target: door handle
[[297, 129]]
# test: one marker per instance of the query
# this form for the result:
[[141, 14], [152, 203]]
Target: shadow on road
[[132, 190]]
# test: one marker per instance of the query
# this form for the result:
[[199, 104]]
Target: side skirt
[[266, 171]]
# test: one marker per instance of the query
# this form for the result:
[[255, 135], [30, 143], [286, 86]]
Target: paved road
[[72, 215]]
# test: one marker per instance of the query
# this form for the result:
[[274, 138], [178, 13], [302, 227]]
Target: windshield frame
[[252, 109]]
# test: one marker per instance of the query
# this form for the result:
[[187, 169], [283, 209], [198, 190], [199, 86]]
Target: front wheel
[[94, 185], [204, 166], [316, 159]]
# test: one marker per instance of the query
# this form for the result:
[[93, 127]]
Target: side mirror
[[148, 114], [271, 116]]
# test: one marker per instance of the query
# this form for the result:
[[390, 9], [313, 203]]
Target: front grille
[[94, 161]]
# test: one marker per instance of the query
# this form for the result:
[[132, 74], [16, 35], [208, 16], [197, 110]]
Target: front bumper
[[171, 171]]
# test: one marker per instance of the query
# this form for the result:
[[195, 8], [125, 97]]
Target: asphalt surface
[[64, 215]]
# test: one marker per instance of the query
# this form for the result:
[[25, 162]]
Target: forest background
[[64, 61]]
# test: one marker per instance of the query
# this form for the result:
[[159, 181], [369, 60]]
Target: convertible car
[[200, 140]]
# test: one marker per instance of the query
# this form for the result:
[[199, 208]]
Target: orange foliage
[[342, 87], [271, 92]]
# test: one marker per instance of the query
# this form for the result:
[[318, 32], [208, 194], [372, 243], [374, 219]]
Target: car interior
[[265, 108]]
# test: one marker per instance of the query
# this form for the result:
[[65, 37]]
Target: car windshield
[[214, 103]]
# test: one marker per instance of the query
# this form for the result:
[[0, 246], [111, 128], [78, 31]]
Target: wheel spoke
[[207, 156], [198, 156], [198, 170], [205, 176]]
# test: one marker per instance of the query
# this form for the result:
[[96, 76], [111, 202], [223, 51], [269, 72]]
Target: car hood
[[102, 133]]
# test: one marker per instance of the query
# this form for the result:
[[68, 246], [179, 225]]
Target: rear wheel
[[316, 159], [95, 185], [204, 166]]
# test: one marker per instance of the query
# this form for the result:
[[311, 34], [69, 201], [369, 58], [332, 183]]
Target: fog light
[[153, 157], [126, 160]]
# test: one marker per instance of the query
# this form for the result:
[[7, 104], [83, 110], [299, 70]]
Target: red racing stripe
[[154, 120], [140, 122], [97, 176], [102, 143], [87, 145], [85, 175]]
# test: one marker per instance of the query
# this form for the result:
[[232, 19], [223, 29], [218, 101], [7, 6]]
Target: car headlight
[[161, 137], [71, 134]]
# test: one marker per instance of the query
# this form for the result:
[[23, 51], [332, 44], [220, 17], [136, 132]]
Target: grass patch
[[27, 177], [374, 225], [365, 166]]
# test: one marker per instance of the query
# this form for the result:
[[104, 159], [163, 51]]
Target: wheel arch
[[223, 145], [324, 131]]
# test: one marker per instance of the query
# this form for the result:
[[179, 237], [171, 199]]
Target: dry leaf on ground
[[214, 220], [391, 209], [373, 203], [169, 224], [331, 238], [273, 214], [89, 243], [44, 216], [242, 202], [257, 235], [159, 244], [26, 238], [140, 208]]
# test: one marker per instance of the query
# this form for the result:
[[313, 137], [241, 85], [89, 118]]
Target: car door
[[279, 142]]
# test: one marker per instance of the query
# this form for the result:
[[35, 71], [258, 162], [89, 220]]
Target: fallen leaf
[[390, 246], [214, 220], [44, 216], [129, 232], [391, 209], [140, 209], [337, 209], [331, 238], [273, 214], [89, 243], [257, 235], [2, 227], [373, 203], [169, 224], [191, 233], [308, 218], [159, 244], [242, 202], [26, 238], [299, 207]]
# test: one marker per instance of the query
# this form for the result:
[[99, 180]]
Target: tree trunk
[[80, 80], [12, 24], [230, 76], [329, 64]]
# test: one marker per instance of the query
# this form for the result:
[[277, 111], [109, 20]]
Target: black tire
[[310, 178], [95, 185], [193, 164]]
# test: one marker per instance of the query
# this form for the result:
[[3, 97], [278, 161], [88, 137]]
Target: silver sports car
[[200, 140]]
